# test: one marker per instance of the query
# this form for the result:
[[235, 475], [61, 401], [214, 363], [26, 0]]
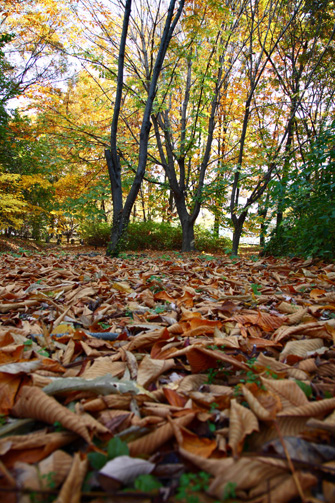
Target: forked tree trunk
[[121, 213]]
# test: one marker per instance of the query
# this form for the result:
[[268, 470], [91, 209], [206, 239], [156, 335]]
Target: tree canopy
[[112, 112]]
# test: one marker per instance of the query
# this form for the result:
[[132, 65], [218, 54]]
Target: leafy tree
[[308, 226], [121, 212], [185, 143]]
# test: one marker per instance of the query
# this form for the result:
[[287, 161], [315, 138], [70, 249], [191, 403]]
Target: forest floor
[[160, 376]]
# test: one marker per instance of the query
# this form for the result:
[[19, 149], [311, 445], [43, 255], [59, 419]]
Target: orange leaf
[[6, 339], [9, 384], [200, 446], [316, 292], [174, 398]]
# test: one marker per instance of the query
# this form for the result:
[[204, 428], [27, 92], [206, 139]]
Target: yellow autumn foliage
[[12, 203], [13, 206]]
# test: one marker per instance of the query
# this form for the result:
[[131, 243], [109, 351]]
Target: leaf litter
[[166, 378]]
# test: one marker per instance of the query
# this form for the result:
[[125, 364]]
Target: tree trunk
[[216, 230], [121, 213], [188, 243], [262, 213], [238, 227]]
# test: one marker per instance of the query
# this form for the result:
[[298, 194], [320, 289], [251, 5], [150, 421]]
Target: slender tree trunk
[[238, 227], [121, 213], [262, 212], [216, 230]]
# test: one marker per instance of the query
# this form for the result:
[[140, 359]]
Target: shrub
[[95, 233], [164, 236], [153, 236], [206, 241]]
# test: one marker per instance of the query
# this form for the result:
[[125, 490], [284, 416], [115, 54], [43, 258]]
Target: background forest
[[152, 111]]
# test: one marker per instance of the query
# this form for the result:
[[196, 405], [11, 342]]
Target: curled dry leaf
[[108, 402], [71, 489], [200, 446], [264, 405], [153, 441], [33, 447], [150, 369], [9, 385], [284, 488], [241, 423], [311, 409], [103, 366], [33, 402], [54, 469], [297, 317]]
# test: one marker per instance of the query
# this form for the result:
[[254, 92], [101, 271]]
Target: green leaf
[[147, 483], [255, 288], [306, 388], [97, 460], [116, 447], [229, 491]]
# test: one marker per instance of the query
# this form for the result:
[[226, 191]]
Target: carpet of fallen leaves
[[163, 377]]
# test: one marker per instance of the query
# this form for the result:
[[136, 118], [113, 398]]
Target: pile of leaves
[[166, 378]]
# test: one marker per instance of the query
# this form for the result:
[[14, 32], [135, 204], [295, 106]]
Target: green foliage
[[251, 378], [26, 191], [116, 447], [153, 236], [206, 241], [8, 87], [49, 479], [306, 388], [164, 236], [95, 233], [255, 288], [212, 373], [147, 483], [190, 483], [308, 228], [97, 460], [229, 491]]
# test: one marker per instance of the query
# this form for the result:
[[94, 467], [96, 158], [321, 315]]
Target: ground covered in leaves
[[164, 377]]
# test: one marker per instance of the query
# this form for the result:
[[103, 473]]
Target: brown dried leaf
[[71, 489], [301, 348], [33, 402], [153, 441], [54, 468], [289, 392], [241, 423], [246, 473], [150, 369], [264, 405]]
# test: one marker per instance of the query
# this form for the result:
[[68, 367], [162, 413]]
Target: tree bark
[[188, 243], [121, 213], [238, 227]]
